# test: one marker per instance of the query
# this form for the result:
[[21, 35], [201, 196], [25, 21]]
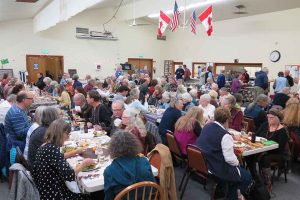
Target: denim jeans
[[242, 185]]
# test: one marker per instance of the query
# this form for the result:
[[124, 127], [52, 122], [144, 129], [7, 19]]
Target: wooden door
[[43, 63], [141, 63], [35, 64], [135, 65], [54, 66], [147, 64]]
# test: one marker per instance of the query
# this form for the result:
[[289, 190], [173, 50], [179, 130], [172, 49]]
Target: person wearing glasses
[[273, 130], [118, 108], [17, 122]]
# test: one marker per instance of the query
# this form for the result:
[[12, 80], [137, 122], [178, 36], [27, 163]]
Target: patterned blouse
[[50, 171]]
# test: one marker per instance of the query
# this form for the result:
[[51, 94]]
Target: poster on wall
[[72, 72], [35, 66]]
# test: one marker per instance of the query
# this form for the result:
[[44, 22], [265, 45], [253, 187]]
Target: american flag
[[175, 18], [193, 22]]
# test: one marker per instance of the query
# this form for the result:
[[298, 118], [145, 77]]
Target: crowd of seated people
[[117, 105]]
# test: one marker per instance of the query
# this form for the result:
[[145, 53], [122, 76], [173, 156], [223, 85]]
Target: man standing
[[289, 78], [187, 73], [209, 74], [179, 73], [261, 82], [221, 79], [16, 121]]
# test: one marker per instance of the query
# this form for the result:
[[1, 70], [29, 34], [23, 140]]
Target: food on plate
[[89, 168], [68, 149], [99, 133], [83, 143]]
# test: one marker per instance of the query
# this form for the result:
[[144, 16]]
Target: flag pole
[[184, 23]]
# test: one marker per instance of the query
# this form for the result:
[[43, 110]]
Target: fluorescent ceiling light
[[188, 7]]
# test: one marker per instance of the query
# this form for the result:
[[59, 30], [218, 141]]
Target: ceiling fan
[[134, 23], [240, 10]]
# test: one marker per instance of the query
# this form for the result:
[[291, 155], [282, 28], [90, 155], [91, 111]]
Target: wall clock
[[275, 56]]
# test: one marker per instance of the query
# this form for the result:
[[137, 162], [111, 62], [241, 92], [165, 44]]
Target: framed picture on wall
[[72, 72]]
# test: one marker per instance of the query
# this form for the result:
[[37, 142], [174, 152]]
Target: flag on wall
[[163, 22], [175, 18], [193, 22], [206, 19]]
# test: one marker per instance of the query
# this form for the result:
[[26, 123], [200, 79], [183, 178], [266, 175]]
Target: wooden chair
[[251, 124], [196, 164], [174, 148], [145, 190]]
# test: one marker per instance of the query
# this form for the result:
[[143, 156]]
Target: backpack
[[257, 191]]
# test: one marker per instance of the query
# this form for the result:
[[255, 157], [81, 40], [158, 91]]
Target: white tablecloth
[[92, 181]]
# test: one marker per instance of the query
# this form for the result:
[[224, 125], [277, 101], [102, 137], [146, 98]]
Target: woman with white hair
[[135, 103], [47, 82], [180, 90], [134, 124], [187, 101], [166, 97], [207, 107]]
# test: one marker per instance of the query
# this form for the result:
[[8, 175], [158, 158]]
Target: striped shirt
[[16, 127]]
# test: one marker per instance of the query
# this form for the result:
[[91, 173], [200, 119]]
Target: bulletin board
[[294, 70]]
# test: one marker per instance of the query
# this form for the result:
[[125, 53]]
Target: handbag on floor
[[258, 191]]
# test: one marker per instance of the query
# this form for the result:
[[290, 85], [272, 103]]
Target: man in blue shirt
[[221, 79], [16, 121]]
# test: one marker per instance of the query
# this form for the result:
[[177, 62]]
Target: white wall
[[17, 40], [250, 39]]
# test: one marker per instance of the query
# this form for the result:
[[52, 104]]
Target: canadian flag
[[163, 22], [206, 19]]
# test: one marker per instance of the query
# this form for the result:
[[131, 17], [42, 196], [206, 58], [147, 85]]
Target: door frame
[[173, 66], [61, 58], [196, 63]]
